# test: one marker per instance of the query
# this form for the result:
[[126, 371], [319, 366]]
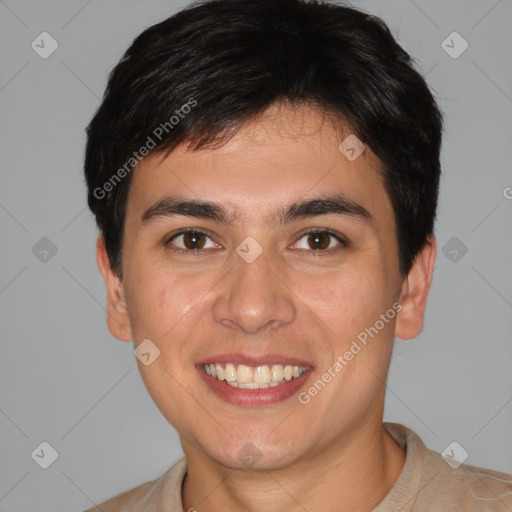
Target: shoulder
[[445, 484], [152, 496], [488, 487], [466, 487]]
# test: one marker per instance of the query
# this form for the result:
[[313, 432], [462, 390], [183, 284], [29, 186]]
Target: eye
[[193, 241], [190, 241], [321, 241]]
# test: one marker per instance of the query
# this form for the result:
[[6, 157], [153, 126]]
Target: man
[[264, 174]]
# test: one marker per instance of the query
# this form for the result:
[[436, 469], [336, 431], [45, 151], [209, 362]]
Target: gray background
[[65, 380]]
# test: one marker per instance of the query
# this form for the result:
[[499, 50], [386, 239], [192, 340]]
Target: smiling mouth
[[254, 377]]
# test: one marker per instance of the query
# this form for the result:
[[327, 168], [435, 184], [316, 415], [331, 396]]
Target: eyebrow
[[338, 204]]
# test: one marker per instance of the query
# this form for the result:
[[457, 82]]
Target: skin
[[332, 453]]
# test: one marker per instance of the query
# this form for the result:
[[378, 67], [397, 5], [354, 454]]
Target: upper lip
[[253, 360]]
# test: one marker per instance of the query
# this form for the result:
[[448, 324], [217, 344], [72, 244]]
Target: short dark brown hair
[[202, 73]]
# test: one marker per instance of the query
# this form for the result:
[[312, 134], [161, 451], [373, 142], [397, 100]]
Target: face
[[290, 260]]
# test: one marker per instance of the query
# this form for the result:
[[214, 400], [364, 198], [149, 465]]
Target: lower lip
[[254, 397]]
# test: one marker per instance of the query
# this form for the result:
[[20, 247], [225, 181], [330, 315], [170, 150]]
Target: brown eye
[[190, 241], [193, 240], [319, 240]]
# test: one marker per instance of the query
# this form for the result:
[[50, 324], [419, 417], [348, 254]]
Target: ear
[[118, 320], [414, 293]]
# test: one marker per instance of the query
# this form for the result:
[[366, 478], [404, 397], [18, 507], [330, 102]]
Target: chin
[[250, 454]]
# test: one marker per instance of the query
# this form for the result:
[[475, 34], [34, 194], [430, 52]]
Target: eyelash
[[315, 253]]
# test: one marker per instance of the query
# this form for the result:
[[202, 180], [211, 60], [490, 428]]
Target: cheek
[[168, 307], [157, 301], [346, 300]]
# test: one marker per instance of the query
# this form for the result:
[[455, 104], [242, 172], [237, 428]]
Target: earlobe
[[414, 294], [118, 320]]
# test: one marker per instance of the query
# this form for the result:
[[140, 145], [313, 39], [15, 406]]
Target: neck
[[352, 473]]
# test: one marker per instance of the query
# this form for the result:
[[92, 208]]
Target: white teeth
[[246, 377], [244, 374], [221, 373], [230, 372], [248, 385], [262, 375], [277, 372]]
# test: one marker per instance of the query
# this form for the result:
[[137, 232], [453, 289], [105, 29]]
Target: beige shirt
[[427, 483]]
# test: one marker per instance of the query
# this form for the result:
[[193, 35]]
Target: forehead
[[286, 154]]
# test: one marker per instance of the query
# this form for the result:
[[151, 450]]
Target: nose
[[254, 297]]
